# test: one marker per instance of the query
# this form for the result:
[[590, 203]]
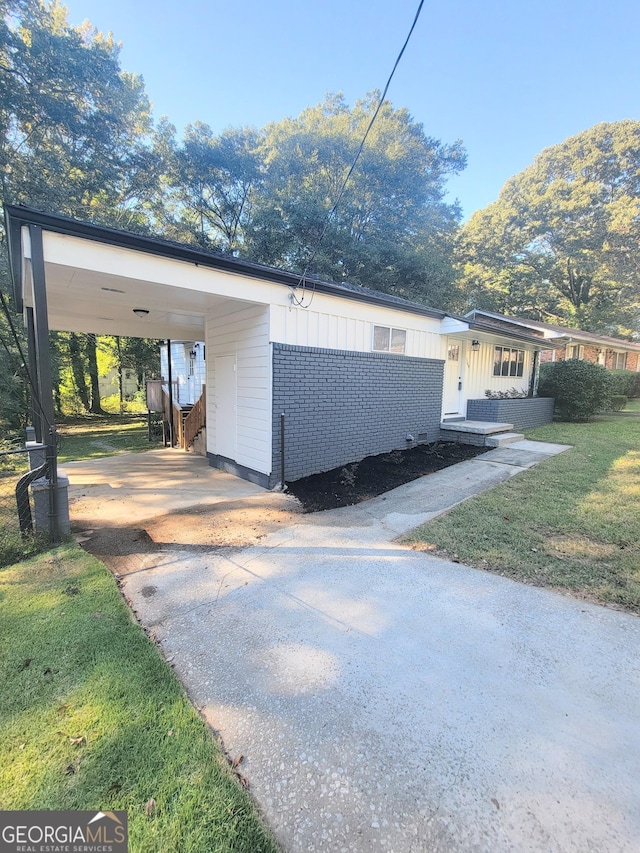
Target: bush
[[618, 402], [580, 389], [625, 382]]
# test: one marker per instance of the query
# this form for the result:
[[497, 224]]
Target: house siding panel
[[341, 406], [243, 332]]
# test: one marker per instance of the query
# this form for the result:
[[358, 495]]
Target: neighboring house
[[109, 385], [565, 343], [188, 369], [300, 377]]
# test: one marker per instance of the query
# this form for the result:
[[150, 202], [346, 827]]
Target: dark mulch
[[375, 475]]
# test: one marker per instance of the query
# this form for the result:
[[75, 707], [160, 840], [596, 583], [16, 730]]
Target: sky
[[507, 77]]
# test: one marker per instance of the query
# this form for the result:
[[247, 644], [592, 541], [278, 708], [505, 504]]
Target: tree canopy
[[393, 229], [561, 242], [74, 139]]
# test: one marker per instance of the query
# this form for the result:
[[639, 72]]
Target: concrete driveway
[[386, 700]]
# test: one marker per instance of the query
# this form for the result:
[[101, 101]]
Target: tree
[[392, 229], [561, 242], [207, 188], [74, 131], [73, 126]]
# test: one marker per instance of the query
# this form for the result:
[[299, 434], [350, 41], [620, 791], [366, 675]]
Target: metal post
[[36, 420], [282, 483], [170, 372], [43, 361]]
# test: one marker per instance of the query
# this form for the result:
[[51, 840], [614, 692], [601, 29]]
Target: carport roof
[[17, 216]]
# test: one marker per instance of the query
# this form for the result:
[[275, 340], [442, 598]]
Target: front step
[[503, 439], [478, 433]]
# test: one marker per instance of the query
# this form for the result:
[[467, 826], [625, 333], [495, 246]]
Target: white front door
[[225, 372], [453, 370]]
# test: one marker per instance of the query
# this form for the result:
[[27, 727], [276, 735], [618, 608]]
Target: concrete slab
[[510, 455], [386, 700], [541, 447], [475, 427], [132, 486]]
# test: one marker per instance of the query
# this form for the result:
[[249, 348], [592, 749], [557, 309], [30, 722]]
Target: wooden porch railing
[[195, 420]]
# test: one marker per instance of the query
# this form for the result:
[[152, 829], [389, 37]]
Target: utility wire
[[302, 281]]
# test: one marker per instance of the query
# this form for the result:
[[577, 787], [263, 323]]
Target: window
[[389, 340], [619, 361], [508, 362], [575, 351], [453, 352]]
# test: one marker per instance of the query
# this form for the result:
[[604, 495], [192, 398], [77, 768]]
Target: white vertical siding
[[479, 371], [244, 332], [335, 323]]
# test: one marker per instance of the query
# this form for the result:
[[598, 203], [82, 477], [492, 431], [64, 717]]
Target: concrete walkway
[[386, 700]]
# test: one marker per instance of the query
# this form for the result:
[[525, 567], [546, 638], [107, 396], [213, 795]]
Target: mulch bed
[[375, 475]]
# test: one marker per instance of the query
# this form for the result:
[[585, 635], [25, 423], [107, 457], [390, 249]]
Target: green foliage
[[617, 402], [580, 389], [73, 126], [561, 240], [626, 382], [392, 230]]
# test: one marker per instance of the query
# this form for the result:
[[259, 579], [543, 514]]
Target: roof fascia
[[14, 248]]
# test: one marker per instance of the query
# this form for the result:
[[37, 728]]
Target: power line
[[302, 281]]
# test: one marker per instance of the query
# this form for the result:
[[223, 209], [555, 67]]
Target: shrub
[[618, 402], [580, 389], [625, 382]]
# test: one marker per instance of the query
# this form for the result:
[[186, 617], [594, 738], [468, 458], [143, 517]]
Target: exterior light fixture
[[475, 346], [140, 312]]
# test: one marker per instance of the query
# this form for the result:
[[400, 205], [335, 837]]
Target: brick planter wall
[[523, 413], [342, 406]]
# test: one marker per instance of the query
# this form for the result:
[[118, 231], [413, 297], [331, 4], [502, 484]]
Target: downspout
[[535, 374]]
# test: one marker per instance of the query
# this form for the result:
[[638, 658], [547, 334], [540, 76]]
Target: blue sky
[[507, 77]]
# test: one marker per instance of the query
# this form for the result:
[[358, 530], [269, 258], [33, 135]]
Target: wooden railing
[[187, 425], [195, 420]]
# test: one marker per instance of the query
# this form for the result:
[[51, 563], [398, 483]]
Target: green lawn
[[94, 436], [91, 717], [571, 522]]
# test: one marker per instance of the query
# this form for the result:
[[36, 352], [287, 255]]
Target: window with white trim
[[508, 362], [386, 339]]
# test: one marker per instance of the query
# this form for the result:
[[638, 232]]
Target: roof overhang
[[96, 276]]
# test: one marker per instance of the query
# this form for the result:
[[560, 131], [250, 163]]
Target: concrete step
[[502, 439], [475, 427]]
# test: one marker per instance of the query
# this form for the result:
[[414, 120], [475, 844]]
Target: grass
[[572, 522], [91, 717], [94, 436]]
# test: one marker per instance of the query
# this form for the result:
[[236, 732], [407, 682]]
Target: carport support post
[[43, 362], [36, 419], [170, 373]]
